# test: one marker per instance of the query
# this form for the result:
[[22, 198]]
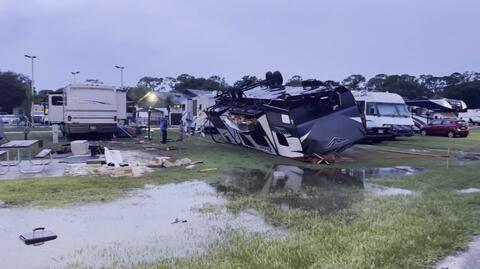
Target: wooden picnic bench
[[44, 153]]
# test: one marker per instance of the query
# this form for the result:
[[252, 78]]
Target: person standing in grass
[[163, 129]]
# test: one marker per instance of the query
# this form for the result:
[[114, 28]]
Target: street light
[[121, 75], [74, 74], [151, 99], [32, 85]]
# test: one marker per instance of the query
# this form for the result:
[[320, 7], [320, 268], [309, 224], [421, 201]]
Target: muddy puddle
[[327, 190], [466, 158], [125, 232]]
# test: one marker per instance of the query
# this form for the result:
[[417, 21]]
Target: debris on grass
[[207, 170], [468, 190]]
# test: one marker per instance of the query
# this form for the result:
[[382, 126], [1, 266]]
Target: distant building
[[178, 103]]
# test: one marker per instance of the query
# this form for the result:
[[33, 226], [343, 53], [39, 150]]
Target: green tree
[[295, 81], [41, 96], [404, 86], [213, 83], [468, 92], [14, 91], [150, 82], [135, 94], [376, 82], [246, 80], [354, 82]]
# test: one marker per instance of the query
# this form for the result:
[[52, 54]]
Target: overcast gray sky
[[315, 39]]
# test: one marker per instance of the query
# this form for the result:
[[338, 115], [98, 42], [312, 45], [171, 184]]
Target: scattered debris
[[191, 166], [38, 236], [179, 221], [137, 164], [279, 175], [80, 147], [165, 162], [96, 161], [114, 158], [208, 170], [468, 190]]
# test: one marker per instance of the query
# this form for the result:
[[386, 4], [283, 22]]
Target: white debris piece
[[469, 190], [79, 147], [279, 175]]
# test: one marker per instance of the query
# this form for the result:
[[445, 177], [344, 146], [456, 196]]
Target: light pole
[[32, 85], [121, 75], [74, 74], [149, 122], [151, 99]]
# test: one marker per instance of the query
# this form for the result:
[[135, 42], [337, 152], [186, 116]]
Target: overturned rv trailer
[[425, 110], [295, 122]]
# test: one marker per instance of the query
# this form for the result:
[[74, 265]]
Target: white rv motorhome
[[386, 114], [194, 113], [87, 108], [472, 116]]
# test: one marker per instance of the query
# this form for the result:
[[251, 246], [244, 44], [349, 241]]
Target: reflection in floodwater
[[125, 232], [466, 158], [327, 190]]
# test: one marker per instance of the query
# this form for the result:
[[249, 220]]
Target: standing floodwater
[[135, 230], [328, 190]]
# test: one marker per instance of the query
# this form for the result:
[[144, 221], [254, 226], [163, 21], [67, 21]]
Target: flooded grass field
[[252, 211]]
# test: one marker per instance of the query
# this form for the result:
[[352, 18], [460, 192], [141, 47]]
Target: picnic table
[[19, 146]]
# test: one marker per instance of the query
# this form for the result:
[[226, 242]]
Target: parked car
[[38, 117], [10, 119], [446, 127]]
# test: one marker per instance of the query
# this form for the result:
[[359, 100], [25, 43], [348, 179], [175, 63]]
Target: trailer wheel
[[451, 134], [423, 132]]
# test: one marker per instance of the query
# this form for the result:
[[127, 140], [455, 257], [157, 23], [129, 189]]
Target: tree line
[[15, 87]]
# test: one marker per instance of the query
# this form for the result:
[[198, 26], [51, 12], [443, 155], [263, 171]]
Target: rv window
[[57, 100], [282, 139], [260, 140], [371, 109]]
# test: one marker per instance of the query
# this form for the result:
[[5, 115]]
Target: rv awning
[[439, 105], [431, 104]]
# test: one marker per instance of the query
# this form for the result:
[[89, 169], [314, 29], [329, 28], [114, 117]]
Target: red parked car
[[446, 127]]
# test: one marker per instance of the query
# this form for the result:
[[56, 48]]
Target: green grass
[[378, 232], [374, 232]]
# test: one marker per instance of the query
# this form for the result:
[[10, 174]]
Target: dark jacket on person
[[163, 125]]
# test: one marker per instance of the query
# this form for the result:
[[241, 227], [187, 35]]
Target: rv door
[[55, 108]]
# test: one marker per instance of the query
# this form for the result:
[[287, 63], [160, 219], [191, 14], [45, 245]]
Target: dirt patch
[[137, 166]]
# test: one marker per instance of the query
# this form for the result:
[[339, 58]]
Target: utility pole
[[121, 75], [32, 85], [74, 74]]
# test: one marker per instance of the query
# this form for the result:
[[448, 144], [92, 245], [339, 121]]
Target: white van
[[386, 114], [87, 108]]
